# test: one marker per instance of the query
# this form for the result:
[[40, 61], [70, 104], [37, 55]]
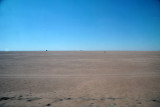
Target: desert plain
[[80, 79]]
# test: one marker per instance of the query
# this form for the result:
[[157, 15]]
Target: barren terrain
[[80, 79]]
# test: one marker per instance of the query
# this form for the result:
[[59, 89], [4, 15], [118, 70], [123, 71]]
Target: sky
[[33, 25]]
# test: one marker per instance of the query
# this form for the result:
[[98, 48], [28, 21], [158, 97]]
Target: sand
[[80, 79]]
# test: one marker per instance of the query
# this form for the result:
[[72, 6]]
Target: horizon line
[[68, 50]]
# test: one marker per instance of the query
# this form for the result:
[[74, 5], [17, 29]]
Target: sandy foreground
[[80, 79]]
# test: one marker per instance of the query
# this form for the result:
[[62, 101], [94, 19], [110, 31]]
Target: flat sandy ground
[[80, 79]]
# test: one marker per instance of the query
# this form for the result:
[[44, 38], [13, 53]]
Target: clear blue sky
[[80, 25]]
